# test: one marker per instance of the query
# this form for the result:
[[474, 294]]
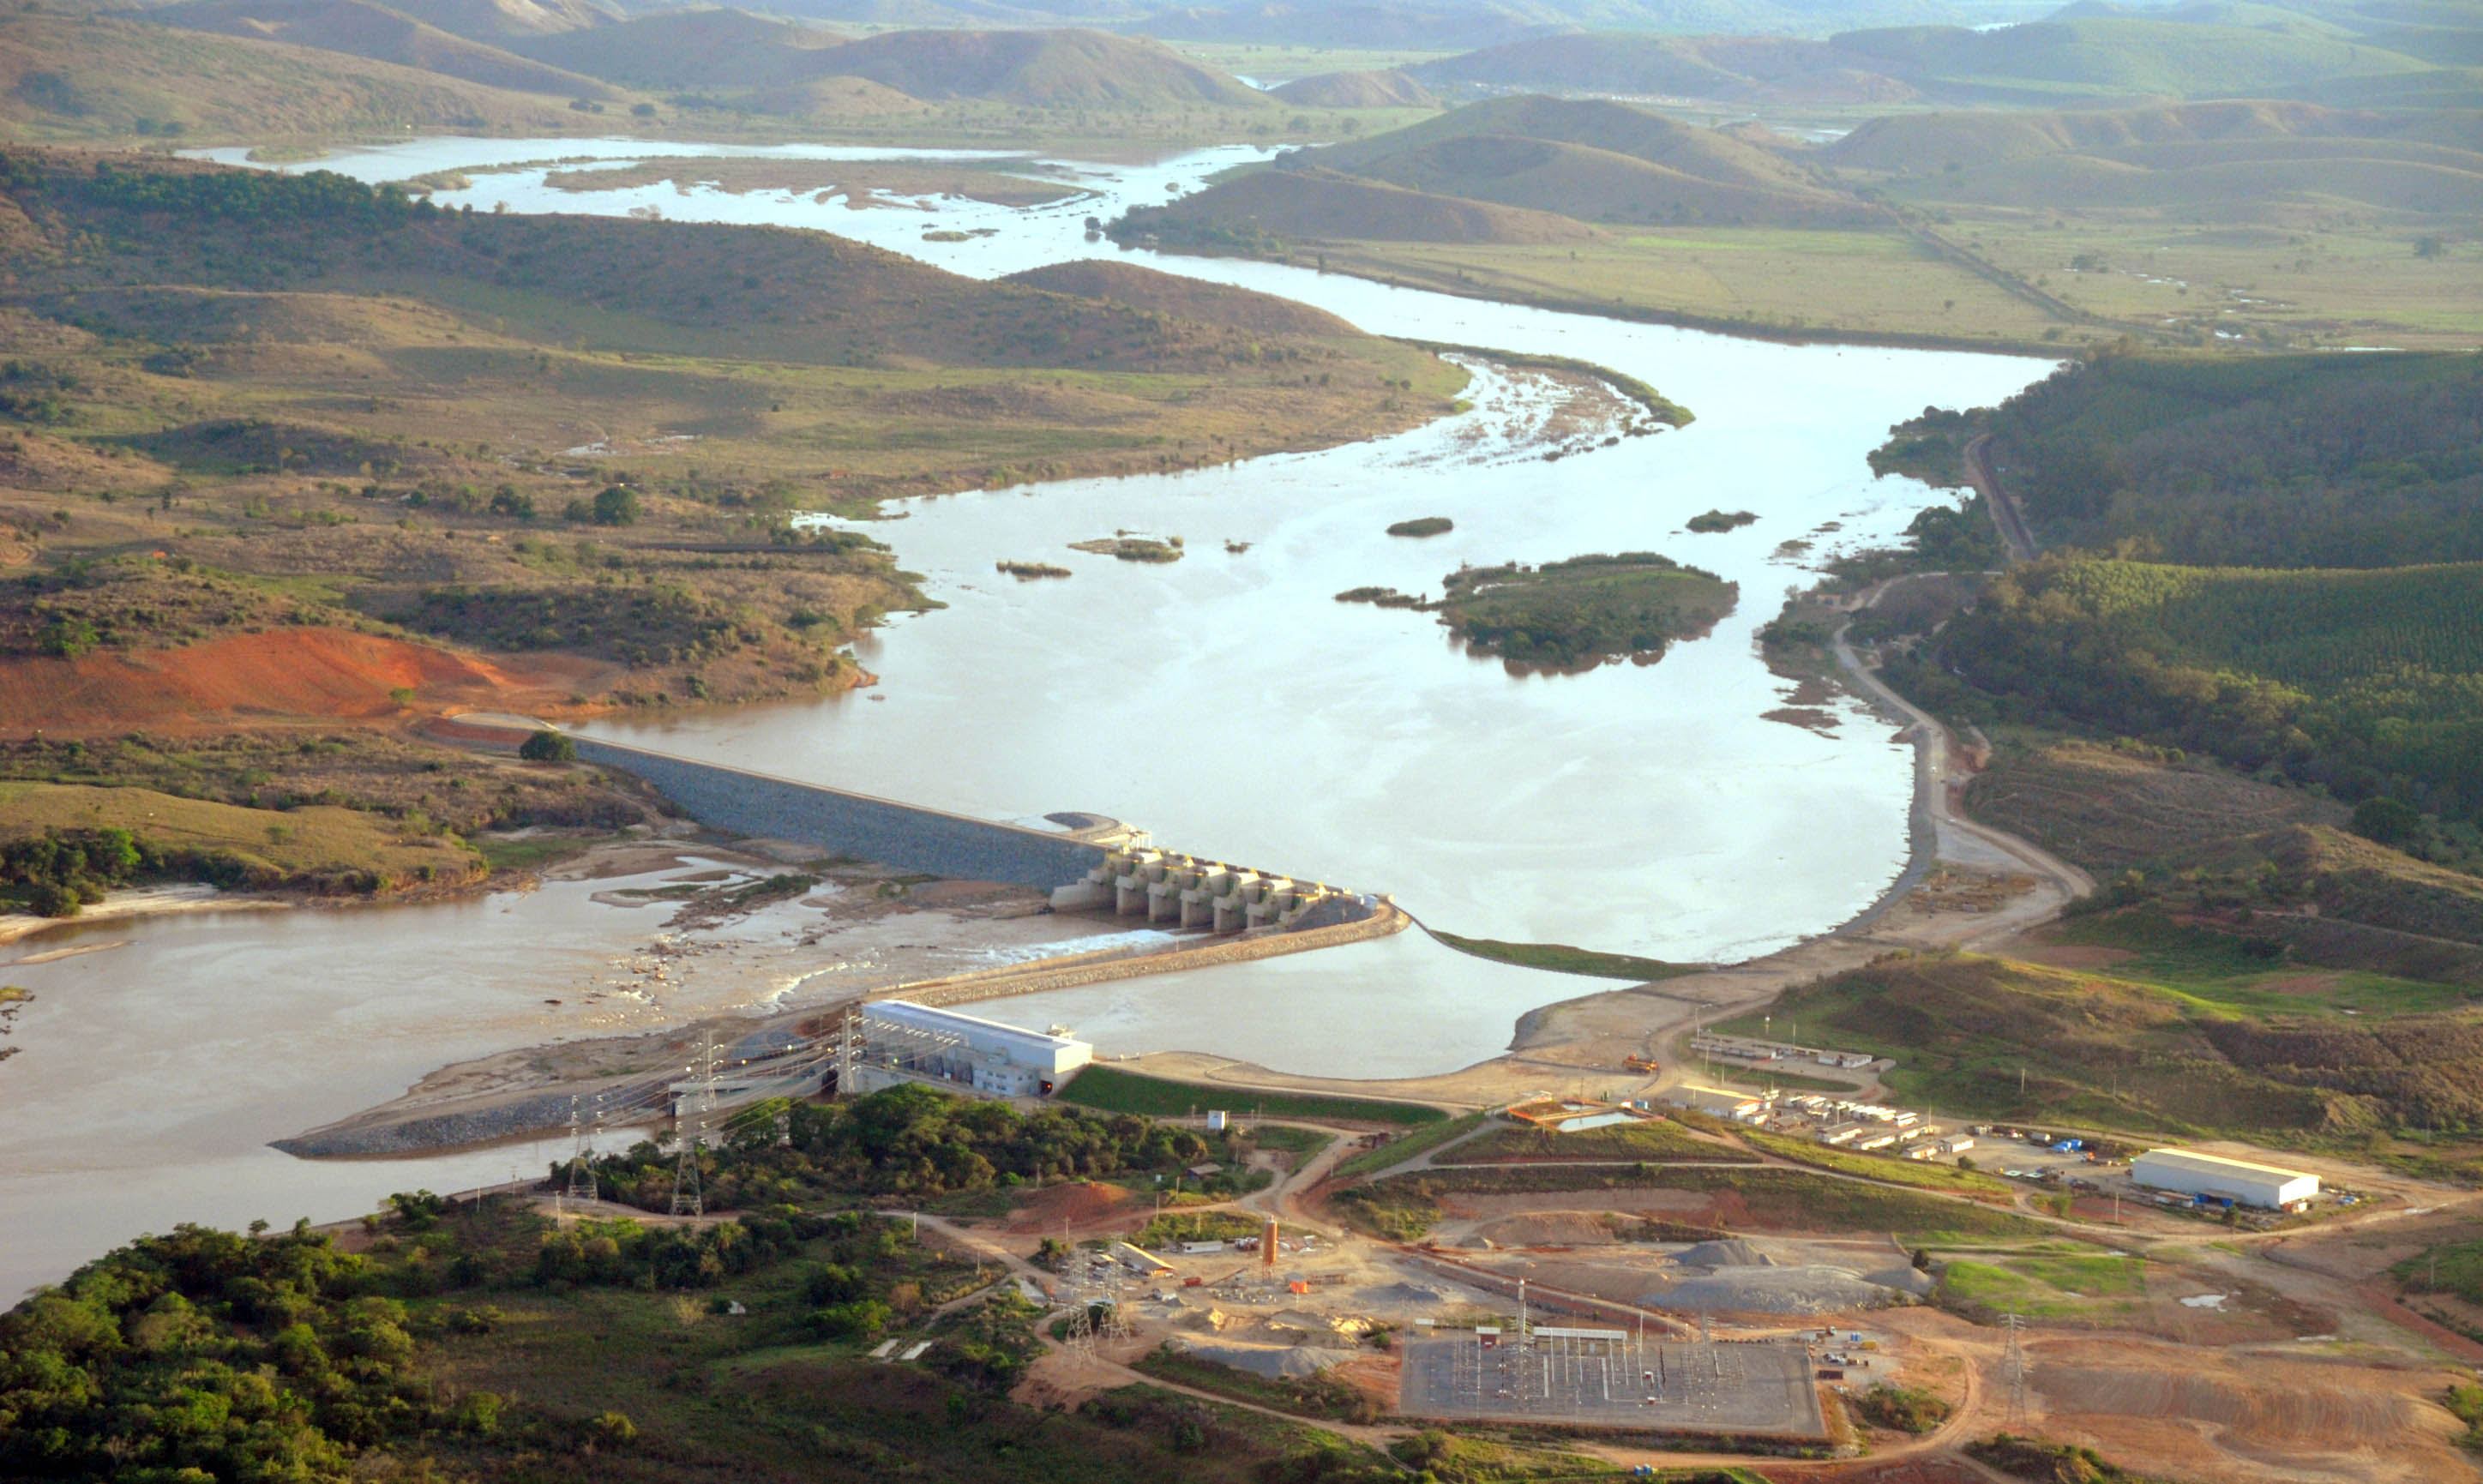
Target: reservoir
[[1225, 703]]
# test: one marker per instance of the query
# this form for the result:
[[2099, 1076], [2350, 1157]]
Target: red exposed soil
[[311, 673], [1082, 1210]]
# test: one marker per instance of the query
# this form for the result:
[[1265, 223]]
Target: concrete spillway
[[1094, 862]]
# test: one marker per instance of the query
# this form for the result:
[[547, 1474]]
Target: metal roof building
[[2231, 1180], [905, 1042]]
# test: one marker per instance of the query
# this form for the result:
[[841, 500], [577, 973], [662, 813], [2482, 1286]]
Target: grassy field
[[1761, 280], [2055, 1288], [1562, 959], [316, 845], [1402, 1206], [1112, 1090], [1321, 1398], [1408, 1146], [1922, 1174]]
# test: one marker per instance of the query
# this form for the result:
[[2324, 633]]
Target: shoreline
[[1586, 1038], [144, 902]]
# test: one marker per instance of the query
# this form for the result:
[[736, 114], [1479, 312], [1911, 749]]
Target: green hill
[[2213, 1051], [500, 21], [2102, 56], [63, 79], [1189, 299], [1356, 90], [1592, 159], [2219, 461], [1723, 68], [2239, 160], [1616, 128], [1042, 69], [739, 52], [364, 29], [1260, 211], [1600, 184], [716, 48]]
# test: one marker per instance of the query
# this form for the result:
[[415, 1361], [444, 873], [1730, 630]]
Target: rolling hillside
[[62, 79], [1596, 160], [2104, 56], [716, 48], [1260, 211], [736, 51], [1739, 69], [2095, 54], [2238, 159], [380, 34], [1046, 69], [1189, 299], [498, 20], [1356, 90]]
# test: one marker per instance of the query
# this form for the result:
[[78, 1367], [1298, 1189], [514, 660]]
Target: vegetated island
[[1029, 571], [1132, 549], [1428, 525], [1383, 597], [1716, 521], [1575, 615]]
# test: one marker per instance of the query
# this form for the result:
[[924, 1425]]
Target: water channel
[[1226, 702]]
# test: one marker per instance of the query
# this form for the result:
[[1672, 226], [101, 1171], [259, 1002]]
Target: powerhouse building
[[903, 1042], [2223, 1179]]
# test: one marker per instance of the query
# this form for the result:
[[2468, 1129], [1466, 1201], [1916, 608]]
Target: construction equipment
[[1637, 1063]]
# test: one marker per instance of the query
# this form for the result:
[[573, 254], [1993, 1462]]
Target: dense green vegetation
[[1117, 1091], [909, 1141], [2277, 460], [1579, 613], [1901, 1409], [2052, 1463], [482, 1341], [2366, 683]]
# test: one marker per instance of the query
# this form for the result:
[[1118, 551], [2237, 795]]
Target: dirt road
[[2005, 511]]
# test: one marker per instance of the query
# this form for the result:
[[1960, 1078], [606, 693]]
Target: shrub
[[616, 505], [548, 747]]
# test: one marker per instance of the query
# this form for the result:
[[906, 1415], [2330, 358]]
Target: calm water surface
[[1225, 703]]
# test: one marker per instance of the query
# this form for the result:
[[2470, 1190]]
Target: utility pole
[[2013, 1361], [688, 1197]]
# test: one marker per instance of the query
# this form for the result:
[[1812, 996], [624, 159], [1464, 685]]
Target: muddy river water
[[1225, 703]]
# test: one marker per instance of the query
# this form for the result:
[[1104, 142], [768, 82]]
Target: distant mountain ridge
[[378, 32]]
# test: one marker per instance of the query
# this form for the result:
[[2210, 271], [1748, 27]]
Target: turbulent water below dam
[[1224, 702]]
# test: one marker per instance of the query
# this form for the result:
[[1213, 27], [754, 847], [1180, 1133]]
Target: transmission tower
[[582, 1174], [2013, 1362], [687, 1199], [1080, 1343]]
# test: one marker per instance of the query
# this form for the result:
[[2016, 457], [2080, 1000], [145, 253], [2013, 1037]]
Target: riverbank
[[1965, 887]]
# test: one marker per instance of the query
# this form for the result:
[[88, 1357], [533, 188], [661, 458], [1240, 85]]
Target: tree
[[548, 747], [2388, 821], [616, 505]]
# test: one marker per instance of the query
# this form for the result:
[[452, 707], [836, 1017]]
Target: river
[[1224, 702]]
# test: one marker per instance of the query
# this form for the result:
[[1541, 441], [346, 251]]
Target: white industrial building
[[903, 1042], [2224, 1180]]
